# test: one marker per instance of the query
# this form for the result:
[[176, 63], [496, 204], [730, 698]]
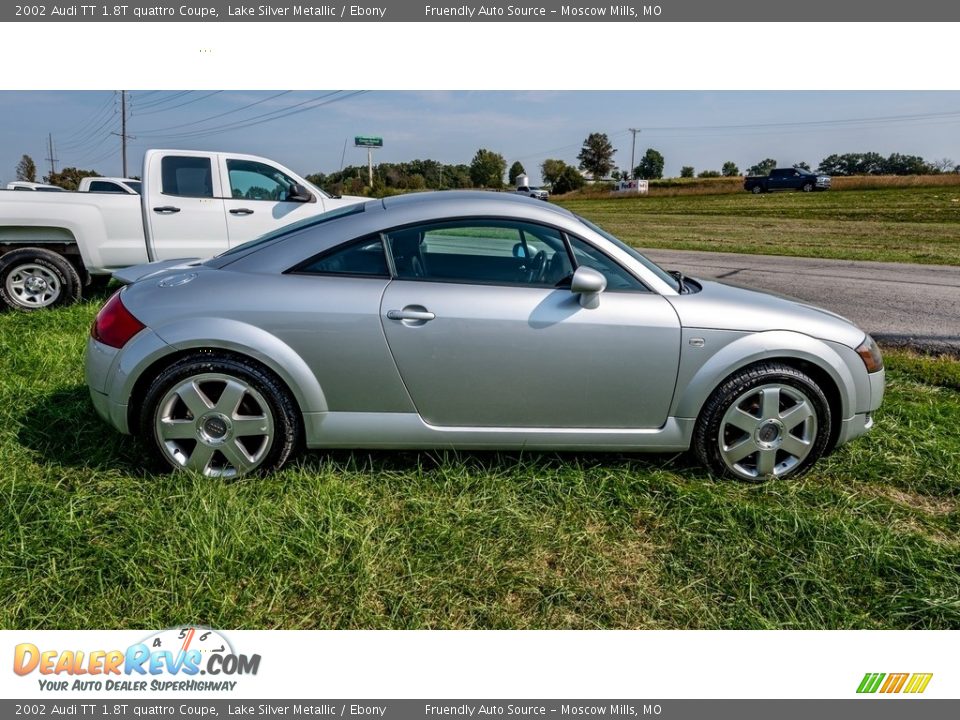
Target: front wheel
[[808, 187], [35, 278], [766, 421], [220, 416]]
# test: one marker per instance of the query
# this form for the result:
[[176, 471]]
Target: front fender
[[700, 374], [254, 342]]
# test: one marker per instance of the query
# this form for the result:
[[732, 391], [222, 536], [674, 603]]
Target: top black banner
[[445, 11]]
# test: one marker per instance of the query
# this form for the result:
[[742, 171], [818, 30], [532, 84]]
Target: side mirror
[[588, 284], [298, 193]]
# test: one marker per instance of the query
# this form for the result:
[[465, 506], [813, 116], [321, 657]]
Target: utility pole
[[123, 130], [50, 156], [633, 149]]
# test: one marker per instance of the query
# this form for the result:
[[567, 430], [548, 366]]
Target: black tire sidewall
[[58, 265], [706, 442], [286, 418]]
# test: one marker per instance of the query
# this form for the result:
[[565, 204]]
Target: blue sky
[[702, 129]]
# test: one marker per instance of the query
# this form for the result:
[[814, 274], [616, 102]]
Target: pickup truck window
[[251, 180], [186, 176], [101, 186]]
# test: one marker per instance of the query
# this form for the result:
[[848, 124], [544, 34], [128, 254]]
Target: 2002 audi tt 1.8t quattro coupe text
[[469, 320]]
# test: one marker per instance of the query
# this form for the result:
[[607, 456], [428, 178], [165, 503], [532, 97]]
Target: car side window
[[361, 258], [493, 252], [101, 186], [186, 176], [251, 180], [618, 278]]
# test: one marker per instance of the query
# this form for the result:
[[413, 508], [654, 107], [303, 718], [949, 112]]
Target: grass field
[[905, 224], [88, 539]]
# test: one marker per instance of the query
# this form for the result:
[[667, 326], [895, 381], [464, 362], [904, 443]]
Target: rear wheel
[[35, 278], [220, 416], [767, 421], [757, 190]]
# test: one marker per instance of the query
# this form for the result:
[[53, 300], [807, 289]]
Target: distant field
[[903, 224], [89, 538]]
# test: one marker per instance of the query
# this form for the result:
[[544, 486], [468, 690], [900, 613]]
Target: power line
[[160, 101], [218, 115], [295, 109], [179, 105], [94, 118]]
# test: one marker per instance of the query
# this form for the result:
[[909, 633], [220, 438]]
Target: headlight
[[870, 354]]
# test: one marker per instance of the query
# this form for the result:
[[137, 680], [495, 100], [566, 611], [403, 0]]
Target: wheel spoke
[[191, 394], [770, 402], [766, 461], [199, 459], [743, 420], [237, 456], [738, 451], [795, 446], [230, 398], [250, 426], [177, 429], [796, 415]]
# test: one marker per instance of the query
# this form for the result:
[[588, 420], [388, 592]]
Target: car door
[[186, 216], [256, 199], [485, 334]]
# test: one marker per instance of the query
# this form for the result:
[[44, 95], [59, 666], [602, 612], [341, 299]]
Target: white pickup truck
[[193, 204]]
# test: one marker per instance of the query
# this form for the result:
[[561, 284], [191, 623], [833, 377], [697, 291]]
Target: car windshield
[[294, 226], [647, 263]]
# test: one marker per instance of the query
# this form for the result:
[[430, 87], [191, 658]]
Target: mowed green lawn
[[920, 225], [89, 539]]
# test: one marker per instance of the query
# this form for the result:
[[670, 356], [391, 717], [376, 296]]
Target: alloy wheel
[[33, 286]]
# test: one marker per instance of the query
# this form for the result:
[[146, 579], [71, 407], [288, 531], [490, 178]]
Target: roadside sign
[[367, 141]]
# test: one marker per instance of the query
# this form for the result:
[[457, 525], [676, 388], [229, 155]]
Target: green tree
[[686, 171], [550, 170], [651, 166], [487, 168], [802, 166], [730, 169], [27, 169], [708, 174], [568, 181], [596, 155], [69, 178], [516, 170], [763, 167]]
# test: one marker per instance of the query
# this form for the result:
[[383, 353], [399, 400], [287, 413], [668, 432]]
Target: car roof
[[462, 200]]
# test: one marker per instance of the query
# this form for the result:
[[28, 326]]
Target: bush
[[709, 174]]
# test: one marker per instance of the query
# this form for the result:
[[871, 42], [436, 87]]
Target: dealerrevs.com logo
[[885, 683], [171, 660]]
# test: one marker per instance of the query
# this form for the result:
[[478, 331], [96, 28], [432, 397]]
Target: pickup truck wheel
[[757, 189], [34, 278], [808, 187]]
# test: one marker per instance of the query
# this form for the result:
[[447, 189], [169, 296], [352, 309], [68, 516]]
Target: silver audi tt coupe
[[469, 320]]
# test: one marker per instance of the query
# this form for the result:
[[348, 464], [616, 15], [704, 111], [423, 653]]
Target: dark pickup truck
[[786, 179]]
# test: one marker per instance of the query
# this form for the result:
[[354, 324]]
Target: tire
[[34, 278], [739, 435], [243, 419], [757, 190], [808, 187]]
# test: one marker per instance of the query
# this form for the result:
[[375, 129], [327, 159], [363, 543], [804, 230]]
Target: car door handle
[[422, 315], [241, 211], [166, 209]]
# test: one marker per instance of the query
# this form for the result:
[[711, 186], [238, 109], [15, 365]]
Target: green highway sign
[[367, 141]]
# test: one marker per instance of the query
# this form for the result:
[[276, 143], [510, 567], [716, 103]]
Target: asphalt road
[[898, 303]]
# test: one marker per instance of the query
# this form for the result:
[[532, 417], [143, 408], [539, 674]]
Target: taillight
[[114, 324]]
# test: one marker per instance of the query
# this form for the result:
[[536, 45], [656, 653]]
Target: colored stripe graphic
[[894, 683], [918, 682], [870, 683]]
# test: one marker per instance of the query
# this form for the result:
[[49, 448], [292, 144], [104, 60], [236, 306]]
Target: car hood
[[721, 306]]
